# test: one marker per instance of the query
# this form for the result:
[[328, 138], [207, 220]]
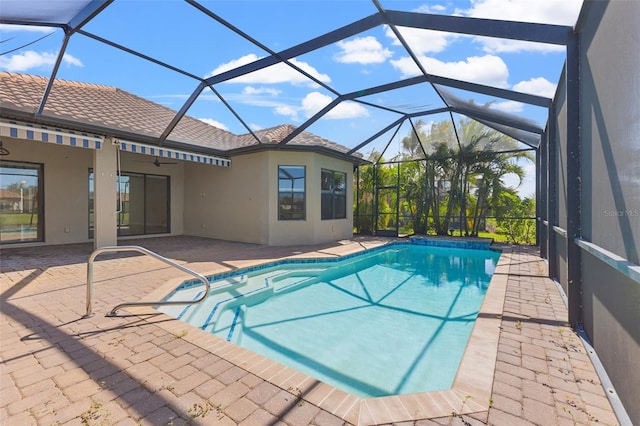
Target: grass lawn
[[14, 220]]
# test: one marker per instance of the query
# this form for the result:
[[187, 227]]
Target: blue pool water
[[386, 322]]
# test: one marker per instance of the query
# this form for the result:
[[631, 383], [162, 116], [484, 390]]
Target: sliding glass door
[[143, 204], [21, 195], [156, 204]]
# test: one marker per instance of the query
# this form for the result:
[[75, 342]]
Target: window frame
[[302, 210], [120, 204], [335, 197], [38, 197]]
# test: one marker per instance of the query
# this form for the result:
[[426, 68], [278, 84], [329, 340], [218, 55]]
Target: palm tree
[[455, 163]]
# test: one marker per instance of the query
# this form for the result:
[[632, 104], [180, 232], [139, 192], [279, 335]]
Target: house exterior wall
[[137, 163], [227, 203], [66, 187], [313, 230], [240, 203]]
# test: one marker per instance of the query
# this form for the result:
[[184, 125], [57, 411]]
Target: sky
[[180, 35]]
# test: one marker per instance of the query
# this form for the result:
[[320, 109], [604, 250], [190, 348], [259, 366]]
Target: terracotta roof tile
[[9, 194], [110, 107], [275, 135]]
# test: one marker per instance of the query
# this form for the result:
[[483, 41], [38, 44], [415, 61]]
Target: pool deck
[[148, 368]]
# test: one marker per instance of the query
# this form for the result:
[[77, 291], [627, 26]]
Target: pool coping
[[470, 392]]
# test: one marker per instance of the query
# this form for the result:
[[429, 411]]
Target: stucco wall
[[313, 230], [66, 187], [227, 203], [144, 164], [239, 203]]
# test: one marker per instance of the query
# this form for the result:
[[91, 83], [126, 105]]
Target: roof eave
[[15, 114], [300, 148]]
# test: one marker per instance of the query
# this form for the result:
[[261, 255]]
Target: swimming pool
[[386, 322]]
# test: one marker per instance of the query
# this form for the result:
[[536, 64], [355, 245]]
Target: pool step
[[228, 324], [293, 279], [210, 311], [242, 290], [186, 312]]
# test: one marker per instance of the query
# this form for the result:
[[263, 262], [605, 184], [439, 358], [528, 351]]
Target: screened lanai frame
[[582, 152], [72, 17], [78, 14]]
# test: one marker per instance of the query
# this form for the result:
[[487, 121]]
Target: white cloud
[[497, 45], [507, 106], [526, 187], [558, 12], [421, 41], [425, 8], [489, 69], [287, 111], [29, 60], [255, 126], [234, 63], [536, 86], [315, 101], [214, 123], [71, 60], [275, 74], [250, 90], [362, 50]]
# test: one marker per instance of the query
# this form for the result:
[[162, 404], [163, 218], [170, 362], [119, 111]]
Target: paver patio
[[58, 368]]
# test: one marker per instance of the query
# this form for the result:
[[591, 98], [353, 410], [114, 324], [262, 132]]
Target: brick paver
[[59, 368]]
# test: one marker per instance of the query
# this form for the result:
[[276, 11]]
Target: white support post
[[104, 179]]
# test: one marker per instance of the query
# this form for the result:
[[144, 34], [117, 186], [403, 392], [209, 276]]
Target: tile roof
[[115, 109], [9, 194], [275, 135]]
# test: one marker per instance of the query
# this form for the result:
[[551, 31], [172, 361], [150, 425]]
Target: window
[[142, 202], [333, 191], [21, 195], [291, 192]]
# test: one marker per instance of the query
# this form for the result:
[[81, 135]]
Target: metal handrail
[[142, 250]]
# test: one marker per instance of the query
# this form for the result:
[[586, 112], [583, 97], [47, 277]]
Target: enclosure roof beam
[[479, 116], [524, 31], [311, 120], [511, 95], [395, 123], [90, 11], [386, 87], [352, 29], [374, 137], [262, 46], [81, 18], [182, 112]]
